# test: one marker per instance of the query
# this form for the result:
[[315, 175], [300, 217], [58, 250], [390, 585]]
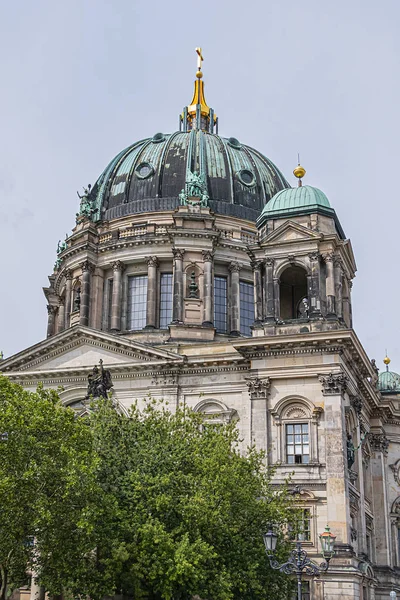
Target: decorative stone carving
[[378, 442], [77, 300], [152, 261], [51, 309], [193, 287], [234, 267], [68, 274], [99, 382], [269, 262], [291, 259], [259, 388], [353, 534], [167, 378], [207, 256], [314, 256], [256, 264], [356, 403], [87, 266], [118, 266], [178, 253], [328, 257], [333, 384], [316, 414]]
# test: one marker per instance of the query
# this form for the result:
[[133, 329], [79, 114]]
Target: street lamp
[[299, 561], [393, 595]]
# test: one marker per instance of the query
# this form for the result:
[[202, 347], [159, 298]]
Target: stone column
[[346, 301], [208, 291], [379, 446], [337, 265], [50, 319], [269, 286], [87, 270], [313, 285], [68, 296], [258, 296], [118, 267], [97, 297], [259, 390], [177, 302], [338, 511], [277, 298], [151, 304], [61, 315], [234, 269], [330, 286]]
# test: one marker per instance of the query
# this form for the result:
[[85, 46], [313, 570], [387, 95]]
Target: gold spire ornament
[[200, 59], [299, 171]]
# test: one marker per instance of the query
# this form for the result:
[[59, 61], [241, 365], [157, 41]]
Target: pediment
[[81, 347], [290, 232]]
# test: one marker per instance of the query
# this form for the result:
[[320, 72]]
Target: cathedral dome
[[149, 176], [389, 382], [293, 200]]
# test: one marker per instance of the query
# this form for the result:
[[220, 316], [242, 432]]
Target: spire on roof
[[198, 115]]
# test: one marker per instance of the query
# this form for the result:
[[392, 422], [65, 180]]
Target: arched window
[[215, 412], [293, 292]]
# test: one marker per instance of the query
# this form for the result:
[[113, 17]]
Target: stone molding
[[378, 442], [333, 384], [259, 388]]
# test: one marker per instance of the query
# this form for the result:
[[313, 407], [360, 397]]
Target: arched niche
[[293, 292], [215, 411]]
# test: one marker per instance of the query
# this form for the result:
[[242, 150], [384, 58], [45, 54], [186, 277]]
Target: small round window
[[246, 177], [144, 170], [234, 143], [158, 137]]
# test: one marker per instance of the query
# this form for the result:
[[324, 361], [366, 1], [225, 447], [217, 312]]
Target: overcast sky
[[82, 79]]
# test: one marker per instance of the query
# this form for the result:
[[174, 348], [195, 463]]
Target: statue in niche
[[77, 300], [351, 451], [193, 287], [99, 382], [303, 308]]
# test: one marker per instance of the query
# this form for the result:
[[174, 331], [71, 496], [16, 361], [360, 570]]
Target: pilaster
[[234, 269], [118, 268], [151, 303]]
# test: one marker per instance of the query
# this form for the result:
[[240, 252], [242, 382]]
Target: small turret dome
[[389, 382], [302, 200]]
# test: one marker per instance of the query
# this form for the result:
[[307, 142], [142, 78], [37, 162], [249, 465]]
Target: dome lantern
[[198, 115]]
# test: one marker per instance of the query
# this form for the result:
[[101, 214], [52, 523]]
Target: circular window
[[234, 143], [246, 177], [158, 137], [144, 170]]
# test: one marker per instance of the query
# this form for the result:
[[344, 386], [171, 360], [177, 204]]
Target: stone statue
[[86, 208], [303, 308], [193, 287], [351, 454], [77, 300], [195, 187], [99, 382]]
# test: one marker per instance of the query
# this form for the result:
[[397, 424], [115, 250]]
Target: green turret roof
[[301, 200], [389, 382]]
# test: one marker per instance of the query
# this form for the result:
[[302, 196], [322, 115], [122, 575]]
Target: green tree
[[47, 482], [183, 511]]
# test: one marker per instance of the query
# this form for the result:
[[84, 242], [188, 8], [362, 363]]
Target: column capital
[[68, 274], [259, 388], [333, 384], [87, 266], [234, 267], [378, 442], [118, 266], [208, 255], [178, 253], [256, 264], [337, 261], [61, 300], [328, 257], [314, 256], [51, 309], [269, 262], [152, 261]]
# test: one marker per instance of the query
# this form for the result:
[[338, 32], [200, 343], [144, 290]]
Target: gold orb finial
[[386, 360], [199, 74], [299, 172]]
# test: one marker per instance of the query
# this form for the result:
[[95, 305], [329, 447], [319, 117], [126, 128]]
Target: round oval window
[[144, 170], [246, 177]]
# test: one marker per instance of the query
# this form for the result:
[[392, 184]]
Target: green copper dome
[[389, 382], [302, 200]]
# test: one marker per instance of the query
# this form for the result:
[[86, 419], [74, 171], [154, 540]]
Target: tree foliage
[[47, 477], [184, 509], [152, 505]]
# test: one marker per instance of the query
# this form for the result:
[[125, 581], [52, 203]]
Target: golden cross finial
[[199, 60]]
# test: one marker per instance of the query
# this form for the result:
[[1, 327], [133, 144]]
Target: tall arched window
[[293, 290]]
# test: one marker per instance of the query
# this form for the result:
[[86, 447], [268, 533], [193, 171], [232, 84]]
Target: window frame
[[225, 279], [160, 299], [242, 283], [293, 433], [129, 303]]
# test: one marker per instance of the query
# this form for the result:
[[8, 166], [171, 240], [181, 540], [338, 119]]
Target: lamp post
[[299, 562], [393, 595]]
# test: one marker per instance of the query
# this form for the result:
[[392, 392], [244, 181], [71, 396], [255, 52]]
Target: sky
[[83, 79]]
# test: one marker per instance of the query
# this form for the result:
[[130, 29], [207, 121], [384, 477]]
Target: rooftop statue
[[86, 208], [99, 382], [195, 187]]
